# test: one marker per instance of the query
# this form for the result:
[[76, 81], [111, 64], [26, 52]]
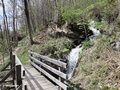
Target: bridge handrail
[[56, 62], [18, 62], [17, 71], [45, 68]]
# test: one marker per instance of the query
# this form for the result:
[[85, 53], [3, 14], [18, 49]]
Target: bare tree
[[14, 22], [28, 22], [6, 25]]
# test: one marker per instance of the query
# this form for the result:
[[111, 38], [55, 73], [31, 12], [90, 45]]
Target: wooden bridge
[[44, 73]]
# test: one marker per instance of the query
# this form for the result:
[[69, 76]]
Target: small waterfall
[[73, 59], [75, 52], [94, 30]]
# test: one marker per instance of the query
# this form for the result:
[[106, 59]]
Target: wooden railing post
[[10, 58], [67, 67], [25, 87], [13, 65], [30, 55], [18, 75], [59, 88]]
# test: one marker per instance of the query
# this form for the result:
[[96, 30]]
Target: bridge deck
[[35, 81]]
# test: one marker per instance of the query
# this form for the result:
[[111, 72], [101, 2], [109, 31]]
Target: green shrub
[[71, 15], [56, 47]]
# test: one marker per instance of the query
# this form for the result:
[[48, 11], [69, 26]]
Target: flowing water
[[94, 30], [75, 52], [73, 59]]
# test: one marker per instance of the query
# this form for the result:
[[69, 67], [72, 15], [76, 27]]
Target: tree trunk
[[14, 21], [6, 27], [28, 22]]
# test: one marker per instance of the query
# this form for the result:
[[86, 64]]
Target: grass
[[52, 48], [88, 44], [23, 48], [24, 57], [96, 63], [98, 67]]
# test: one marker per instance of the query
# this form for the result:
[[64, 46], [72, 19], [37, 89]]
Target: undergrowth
[[54, 48], [98, 67]]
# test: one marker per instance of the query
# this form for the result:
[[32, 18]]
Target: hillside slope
[[99, 66]]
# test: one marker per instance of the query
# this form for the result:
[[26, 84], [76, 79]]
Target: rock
[[116, 45], [81, 30], [75, 31]]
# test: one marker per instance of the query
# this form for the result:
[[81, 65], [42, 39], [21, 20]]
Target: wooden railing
[[17, 72], [51, 68]]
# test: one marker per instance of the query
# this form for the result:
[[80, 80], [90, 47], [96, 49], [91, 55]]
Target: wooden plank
[[8, 81], [52, 88], [56, 62], [62, 85], [33, 70], [59, 73], [47, 86], [35, 81]]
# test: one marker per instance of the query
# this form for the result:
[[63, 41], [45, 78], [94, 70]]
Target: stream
[[75, 52]]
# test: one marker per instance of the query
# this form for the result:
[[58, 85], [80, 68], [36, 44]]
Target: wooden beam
[[61, 74], [8, 81], [62, 85], [56, 62], [4, 68], [20, 87], [5, 77], [7, 69]]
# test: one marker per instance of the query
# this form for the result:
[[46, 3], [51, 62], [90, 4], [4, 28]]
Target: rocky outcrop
[[55, 31], [75, 31], [80, 30]]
